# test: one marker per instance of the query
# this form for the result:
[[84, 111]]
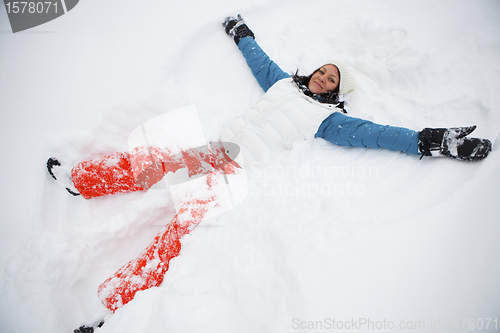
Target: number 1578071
[[39, 7]]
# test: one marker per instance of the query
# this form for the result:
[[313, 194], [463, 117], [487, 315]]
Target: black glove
[[452, 142], [236, 28]]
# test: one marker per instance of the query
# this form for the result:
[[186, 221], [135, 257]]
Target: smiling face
[[327, 78]]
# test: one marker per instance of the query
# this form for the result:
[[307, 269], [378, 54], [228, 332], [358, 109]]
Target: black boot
[[88, 329], [51, 164], [84, 329], [452, 142]]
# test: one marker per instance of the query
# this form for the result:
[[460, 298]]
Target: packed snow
[[325, 233]]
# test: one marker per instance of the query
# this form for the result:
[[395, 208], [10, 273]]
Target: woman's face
[[327, 78]]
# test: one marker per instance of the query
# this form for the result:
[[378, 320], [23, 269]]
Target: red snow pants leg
[[142, 168], [104, 176], [123, 172], [149, 268]]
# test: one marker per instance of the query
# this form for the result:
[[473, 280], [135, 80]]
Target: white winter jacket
[[282, 117]]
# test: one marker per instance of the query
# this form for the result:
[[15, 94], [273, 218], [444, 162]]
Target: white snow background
[[326, 232]]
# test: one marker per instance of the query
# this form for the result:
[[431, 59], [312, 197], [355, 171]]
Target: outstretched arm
[[349, 131], [452, 142], [266, 71]]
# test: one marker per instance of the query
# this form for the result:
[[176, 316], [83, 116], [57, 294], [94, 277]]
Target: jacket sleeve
[[348, 131], [266, 71]]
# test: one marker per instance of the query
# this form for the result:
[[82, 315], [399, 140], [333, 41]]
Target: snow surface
[[325, 233]]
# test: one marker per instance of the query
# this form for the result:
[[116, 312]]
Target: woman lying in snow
[[292, 109]]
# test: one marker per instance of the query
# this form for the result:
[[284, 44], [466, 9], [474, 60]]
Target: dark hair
[[330, 97]]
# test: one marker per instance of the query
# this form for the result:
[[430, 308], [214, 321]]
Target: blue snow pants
[[343, 130]]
